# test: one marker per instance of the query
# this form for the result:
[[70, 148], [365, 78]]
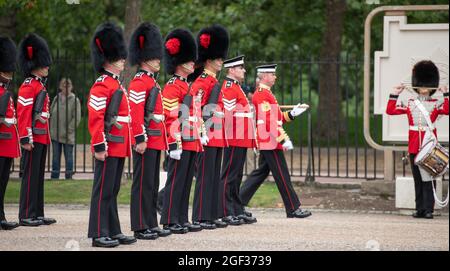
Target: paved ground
[[325, 230]]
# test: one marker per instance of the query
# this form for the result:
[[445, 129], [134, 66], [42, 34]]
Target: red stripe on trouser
[[201, 188], [171, 192], [29, 180], [100, 199], [140, 192], [282, 177], [225, 185]]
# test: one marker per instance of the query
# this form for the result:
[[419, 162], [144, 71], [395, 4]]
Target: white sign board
[[404, 45]]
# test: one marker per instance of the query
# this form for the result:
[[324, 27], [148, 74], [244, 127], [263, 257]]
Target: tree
[[329, 90], [132, 20]]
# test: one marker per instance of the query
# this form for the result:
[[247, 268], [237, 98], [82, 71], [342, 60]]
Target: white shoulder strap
[[425, 113]]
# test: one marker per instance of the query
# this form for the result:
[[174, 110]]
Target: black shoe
[[31, 222], [220, 224], [192, 227], [299, 213], [233, 221], [247, 213], [161, 232], [206, 225], [146, 235], [105, 242], [124, 240], [418, 214], [176, 229], [428, 215], [247, 219], [47, 220], [7, 226]]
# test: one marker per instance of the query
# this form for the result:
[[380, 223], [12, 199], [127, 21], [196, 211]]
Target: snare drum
[[433, 158]]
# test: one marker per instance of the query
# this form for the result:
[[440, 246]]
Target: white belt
[[10, 121], [45, 115], [193, 119], [219, 114], [158, 117], [243, 115], [416, 128], [124, 119]]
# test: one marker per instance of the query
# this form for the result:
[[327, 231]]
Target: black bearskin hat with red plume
[[33, 54]]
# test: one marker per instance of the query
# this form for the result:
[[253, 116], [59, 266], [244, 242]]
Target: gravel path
[[325, 230]]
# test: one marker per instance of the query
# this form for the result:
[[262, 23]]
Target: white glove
[[204, 140], [287, 146], [176, 154], [299, 109]]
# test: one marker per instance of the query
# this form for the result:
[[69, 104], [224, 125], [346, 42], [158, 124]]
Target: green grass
[[79, 192]]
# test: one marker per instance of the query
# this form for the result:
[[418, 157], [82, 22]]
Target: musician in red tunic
[[9, 137], [425, 82], [33, 115], [149, 130], [109, 124]]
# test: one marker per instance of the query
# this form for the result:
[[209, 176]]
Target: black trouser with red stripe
[[231, 179], [207, 184], [424, 190], [144, 191], [5, 167], [178, 188], [275, 162], [32, 188], [104, 216]]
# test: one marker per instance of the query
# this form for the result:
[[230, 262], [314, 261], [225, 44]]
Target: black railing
[[345, 156]]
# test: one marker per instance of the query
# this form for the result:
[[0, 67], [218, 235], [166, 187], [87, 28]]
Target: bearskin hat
[[179, 47], [146, 43], [107, 45], [33, 54], [212, 43], [425, 74], [8, 53]]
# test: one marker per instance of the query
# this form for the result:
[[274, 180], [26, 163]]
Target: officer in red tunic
[[109, 125], [240, 135], [9, 138], [213, 44], [272, 141], [33, 114], [149, 131], [425, 75], [183, 131]]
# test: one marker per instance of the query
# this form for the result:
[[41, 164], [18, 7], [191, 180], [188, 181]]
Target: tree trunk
[[329, 90], [132, 19], [8, 23]]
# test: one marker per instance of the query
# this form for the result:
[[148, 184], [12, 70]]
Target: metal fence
[[345, 156]]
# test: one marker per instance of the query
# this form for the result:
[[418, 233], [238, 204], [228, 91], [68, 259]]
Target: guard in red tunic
[[240, 134], [9, 137], [425, 75], [109, 124], [183, 125], [272, 141], [33, 114], [149, 130], [212, 50]]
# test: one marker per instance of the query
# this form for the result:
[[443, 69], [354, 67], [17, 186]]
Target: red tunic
[[140, 88], [415, 118], [173, 95], [269, 120], [9, 147], [28, 92], [202, 88], [239, 120], [99, 98]]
